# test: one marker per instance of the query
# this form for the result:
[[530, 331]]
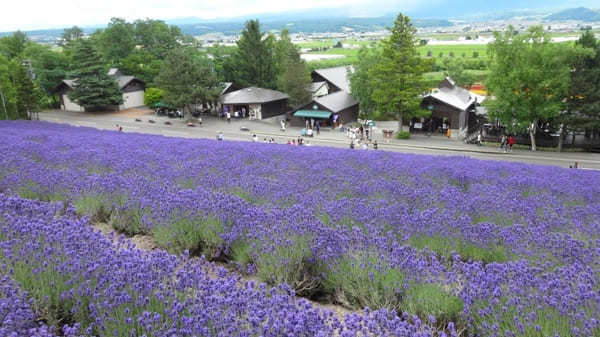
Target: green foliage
[[427, 299], [455, 69], [98, 207], [49, 67], [253, 63], [93, 87], [529, 77], [360, 83], [363, 279], [199, 236], [153, 96], [141, 64], [187, 78], [444, 246], [28, 95], [8, 94], [403, 135], [34, 191], [13, 46], [128, 220], [293, 77], [289, 262], [549, 320], [117, 41], [156, 37], [397, 80]]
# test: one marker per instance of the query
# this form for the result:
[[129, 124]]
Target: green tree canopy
[[49, 67], [28, 95], [117, 41], [13, 46], [360, 82], [93, 87], [156, 37], [141, 64], [529, 78], [253, 63], [8, 95], [293, 76], [187, 78], [456, 69], [397, 80]]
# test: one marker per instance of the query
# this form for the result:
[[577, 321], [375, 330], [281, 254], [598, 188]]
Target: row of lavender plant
[[500, 248], [80, 277]]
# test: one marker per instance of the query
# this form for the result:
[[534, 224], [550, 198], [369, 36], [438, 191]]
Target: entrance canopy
[[313, 114]]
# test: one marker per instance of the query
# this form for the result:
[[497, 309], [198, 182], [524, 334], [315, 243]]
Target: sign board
[[418, 126]]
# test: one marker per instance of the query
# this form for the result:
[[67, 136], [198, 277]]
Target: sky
[[44, 14]]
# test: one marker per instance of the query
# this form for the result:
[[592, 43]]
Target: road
[[435, 145]]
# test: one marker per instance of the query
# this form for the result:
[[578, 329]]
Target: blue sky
[[40, 14]]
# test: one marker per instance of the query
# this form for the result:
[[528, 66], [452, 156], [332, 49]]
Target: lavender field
[[415, 245]]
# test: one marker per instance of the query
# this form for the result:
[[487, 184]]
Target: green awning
[[313, 113], [162, 105]]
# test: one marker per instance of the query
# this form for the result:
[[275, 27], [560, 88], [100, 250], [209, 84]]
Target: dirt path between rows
[[147, 243]]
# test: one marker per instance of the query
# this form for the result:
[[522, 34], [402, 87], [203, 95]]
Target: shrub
[[289, 262], [198, 235], [444, 246], [98, 207], [152, 96], [129, 220], [403, 135], [430, 300], [475, 54], [362, 279]]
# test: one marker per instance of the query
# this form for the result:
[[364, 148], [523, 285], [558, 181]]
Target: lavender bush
[[515, 248]]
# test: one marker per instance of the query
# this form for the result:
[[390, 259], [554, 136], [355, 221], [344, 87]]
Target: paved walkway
[[235, 130]]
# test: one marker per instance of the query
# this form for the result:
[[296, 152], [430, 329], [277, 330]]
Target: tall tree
[[583, 103], [117, 41], [187, 78], [397, 80], [293, 76], [49, 68], [142, 64], [529, 78], [7, 89], [28, 95], [157, 37], [360, 84], [93, 87], [253, 64], [71, 35], [14, 45]]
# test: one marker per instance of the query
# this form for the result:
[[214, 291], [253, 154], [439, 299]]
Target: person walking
[[228, 115], [220, 136], [283, 125], [375, 145], [318, 127], [254, 138], [511, 142], [503, 143], [479, 139]]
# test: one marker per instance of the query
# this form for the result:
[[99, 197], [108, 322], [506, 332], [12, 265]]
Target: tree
[[49, 67], [71, 35], [455, 69], [397, 80], [28, 96], [157, 37], [529, 78], [7, 89], [583, 99], [187, 79], [142, 64], [360, 83], [293, 76], [12, 46], [153, 96], [117, 41], [253, 64], [93, 87]]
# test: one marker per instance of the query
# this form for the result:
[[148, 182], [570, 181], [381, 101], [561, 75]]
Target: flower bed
[[507, 249]]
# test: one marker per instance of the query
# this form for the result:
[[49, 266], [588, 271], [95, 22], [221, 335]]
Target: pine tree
[[28, 95], [397, 80], [93, 87], [253, 62]]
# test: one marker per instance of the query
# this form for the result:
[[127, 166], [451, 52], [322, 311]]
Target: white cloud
[[39, 14]]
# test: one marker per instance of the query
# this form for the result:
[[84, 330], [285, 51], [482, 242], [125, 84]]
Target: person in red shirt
[[511, 142]]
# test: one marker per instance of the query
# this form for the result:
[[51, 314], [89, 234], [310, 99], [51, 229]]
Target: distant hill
[[576, 14]]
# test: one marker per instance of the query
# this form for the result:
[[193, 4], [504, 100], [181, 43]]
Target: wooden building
[[131, 88], [452, 107], [331, 109], [258, 103]]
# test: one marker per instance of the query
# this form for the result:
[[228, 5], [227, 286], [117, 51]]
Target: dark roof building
[[454, 107], [131, 87], [260, 103], [338, 107]]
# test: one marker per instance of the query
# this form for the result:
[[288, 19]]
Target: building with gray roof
[[256, 103]]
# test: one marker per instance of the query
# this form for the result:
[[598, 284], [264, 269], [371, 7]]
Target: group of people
[[363, 144], [506, 143], [236, 114]]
